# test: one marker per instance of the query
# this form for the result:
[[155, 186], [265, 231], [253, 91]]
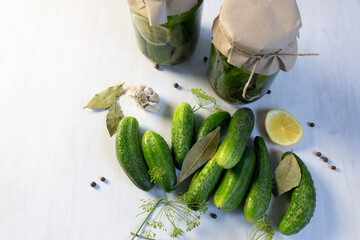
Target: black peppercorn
[[176, 85], [318, 154], [213, 215], [156, 66], [311, 124], [102, 179], [93, 184]]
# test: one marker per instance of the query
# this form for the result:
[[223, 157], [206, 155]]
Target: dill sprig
[[163, 210], [262, 230], [204, 101], [173, 211], [156, 174]]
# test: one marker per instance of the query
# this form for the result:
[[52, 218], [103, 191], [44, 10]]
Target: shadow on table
[[260, 115], [280, 205]]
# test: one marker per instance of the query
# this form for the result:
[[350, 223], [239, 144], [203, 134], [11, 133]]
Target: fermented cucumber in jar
[[229, 81], [170, 43]]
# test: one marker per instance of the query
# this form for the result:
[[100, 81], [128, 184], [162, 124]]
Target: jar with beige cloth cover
[[166, 31], [252, 41]]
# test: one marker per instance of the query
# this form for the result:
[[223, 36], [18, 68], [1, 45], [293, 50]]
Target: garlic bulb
[[145, 98]]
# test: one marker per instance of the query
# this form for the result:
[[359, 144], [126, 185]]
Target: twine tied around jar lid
[[257, 61], [260, 36]]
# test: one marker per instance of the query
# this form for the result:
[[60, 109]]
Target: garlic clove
[[140, 88], [153, 107], [142, 99], [154, 98], [148, 91], [145, 98]]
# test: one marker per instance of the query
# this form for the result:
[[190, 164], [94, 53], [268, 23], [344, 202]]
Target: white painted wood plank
[[55, 55]]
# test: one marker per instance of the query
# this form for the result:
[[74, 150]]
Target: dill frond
[[204, 101], [156, 174], [173, 211], [262, 230]]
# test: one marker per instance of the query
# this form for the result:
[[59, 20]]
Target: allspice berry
[[311, 124], [318, 154], [333, 167], [156, 66]]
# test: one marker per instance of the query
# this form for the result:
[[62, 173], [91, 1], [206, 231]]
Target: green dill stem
[[141, 236], [147, 217], [194, 110]]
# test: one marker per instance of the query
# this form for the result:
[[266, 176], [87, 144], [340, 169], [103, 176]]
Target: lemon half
[[156, 35], [282, 127]]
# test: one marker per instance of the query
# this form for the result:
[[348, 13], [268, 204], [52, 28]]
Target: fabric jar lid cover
[[260, 33], [157, 11]]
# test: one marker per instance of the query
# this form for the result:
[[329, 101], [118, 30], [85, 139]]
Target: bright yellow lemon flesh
[[282, 127]]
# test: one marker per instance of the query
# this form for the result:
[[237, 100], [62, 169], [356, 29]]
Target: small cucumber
[[129, 154], [259, 196], [302, 203], [182, 131], [158, 157], [233, 146], [213, 121], [235, 183], [203, 184]]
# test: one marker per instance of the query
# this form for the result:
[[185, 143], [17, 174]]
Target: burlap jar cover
[[259, 35], [157, 11]]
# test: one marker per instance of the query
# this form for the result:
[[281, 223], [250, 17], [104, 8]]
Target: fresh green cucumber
[[203, 184], [235, 183], [213, 121], [129, 155], [259, 196], [302, 203], [233, 146], [182, 131], [158, 157]]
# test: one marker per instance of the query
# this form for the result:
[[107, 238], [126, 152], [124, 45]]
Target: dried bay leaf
[[287, 175], [113, 118], [202, 151], [106, 98]]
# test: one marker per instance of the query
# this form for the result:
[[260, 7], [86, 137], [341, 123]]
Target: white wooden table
[[55, 55]]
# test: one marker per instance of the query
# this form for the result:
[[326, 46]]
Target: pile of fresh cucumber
[[236, 171]]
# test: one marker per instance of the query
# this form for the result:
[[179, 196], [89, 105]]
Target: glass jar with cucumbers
[[172, 42], [251, 42], [229, 81]]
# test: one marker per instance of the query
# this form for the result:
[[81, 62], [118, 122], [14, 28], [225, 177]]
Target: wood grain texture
[[55, 55]]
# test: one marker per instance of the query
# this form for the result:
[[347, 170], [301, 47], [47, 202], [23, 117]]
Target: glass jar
[[228, 81], [170, 43]]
